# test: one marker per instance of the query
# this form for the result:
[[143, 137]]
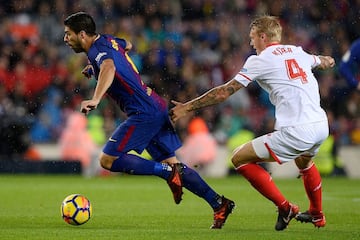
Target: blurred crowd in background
[[181, 48]]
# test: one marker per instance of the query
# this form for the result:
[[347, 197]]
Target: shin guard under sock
[[261, 180], [133, 164], [193, 182], [312, 183]]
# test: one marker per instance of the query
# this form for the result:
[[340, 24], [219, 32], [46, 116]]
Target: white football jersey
[[285, 72]]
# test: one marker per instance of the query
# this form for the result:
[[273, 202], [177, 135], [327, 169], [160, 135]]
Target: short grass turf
[[138, 207]]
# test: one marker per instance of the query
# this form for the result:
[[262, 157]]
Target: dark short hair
[[81, 21]]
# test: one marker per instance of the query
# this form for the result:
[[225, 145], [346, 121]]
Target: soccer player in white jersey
[[285, 72]]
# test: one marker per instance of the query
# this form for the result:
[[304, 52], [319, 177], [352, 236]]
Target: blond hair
[[269, 25]]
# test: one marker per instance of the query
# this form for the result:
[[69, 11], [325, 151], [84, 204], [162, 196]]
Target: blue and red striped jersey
[[127, 89]]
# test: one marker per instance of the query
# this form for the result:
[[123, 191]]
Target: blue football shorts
[[154, 132]]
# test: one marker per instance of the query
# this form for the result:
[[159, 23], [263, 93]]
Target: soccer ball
[[76, 209]]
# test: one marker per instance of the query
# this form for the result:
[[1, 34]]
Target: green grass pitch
[[138, 207]]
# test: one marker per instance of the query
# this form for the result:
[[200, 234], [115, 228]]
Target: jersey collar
[[273, 44]]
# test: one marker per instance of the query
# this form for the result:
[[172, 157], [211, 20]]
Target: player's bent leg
[[245, 161], [135, 165]]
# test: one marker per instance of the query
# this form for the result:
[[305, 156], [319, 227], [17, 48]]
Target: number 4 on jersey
[[295, 71]]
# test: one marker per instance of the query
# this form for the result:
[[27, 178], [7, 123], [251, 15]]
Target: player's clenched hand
[[178, 111], [88, 105], [326, 62], [88, 71]]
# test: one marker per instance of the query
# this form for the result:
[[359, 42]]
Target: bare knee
[[106, 160], [303, 162], [243, 154], [235, 158], [236, 162]]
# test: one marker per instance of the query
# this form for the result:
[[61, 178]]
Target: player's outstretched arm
[[213, 96]]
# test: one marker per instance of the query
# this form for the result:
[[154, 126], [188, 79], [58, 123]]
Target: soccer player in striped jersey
[[147, 126]]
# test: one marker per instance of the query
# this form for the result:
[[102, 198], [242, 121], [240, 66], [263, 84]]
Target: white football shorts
[[288, 143]]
